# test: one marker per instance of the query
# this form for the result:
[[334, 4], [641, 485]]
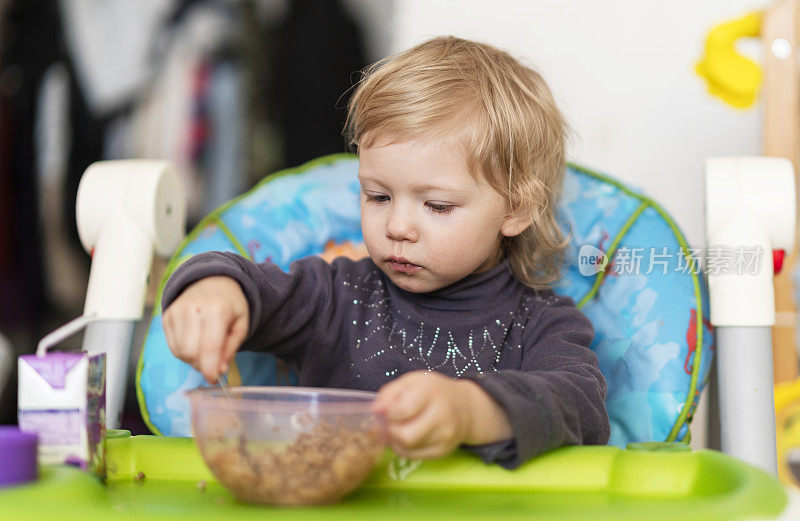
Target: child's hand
[[428, 415], [425, 413], [207, 323]]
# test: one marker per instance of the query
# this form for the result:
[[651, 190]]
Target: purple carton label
[[54, 367], [56, 427]]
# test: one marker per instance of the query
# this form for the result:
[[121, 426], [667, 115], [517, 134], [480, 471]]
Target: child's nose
[[401, 226]]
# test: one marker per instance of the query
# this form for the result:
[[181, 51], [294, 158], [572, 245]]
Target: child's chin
[[411, 284]]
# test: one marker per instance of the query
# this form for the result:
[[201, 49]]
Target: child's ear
[[515, 224]]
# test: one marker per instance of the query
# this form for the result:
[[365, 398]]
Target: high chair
[[737, 80], [630, 270], [646, 297]]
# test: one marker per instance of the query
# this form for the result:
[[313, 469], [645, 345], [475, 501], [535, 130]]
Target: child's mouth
[[403, 267]]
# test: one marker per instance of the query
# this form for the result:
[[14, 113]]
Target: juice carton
[[62, 398]]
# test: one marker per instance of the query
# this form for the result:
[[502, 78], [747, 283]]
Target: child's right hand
[[207, 323]]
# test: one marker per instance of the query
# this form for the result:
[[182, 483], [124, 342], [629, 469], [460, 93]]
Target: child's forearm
[[488, 421]]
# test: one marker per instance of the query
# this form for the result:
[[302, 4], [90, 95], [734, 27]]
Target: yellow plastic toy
[[787, 415], [730, 76]]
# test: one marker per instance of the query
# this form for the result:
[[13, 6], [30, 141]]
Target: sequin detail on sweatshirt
[[391, 339]]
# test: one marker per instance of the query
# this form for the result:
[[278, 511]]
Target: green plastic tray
[[598, 483]]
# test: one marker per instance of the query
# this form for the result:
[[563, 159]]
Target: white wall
[[623, 73]]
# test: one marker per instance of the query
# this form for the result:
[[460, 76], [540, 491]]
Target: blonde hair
[[511, 130]]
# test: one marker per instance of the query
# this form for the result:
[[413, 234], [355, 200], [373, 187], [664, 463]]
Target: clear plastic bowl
[[287, 445]]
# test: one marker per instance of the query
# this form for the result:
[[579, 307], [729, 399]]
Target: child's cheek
[[370, 229]]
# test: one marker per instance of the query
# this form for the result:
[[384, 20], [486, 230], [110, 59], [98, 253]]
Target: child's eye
[[378, 198], [440, 208]]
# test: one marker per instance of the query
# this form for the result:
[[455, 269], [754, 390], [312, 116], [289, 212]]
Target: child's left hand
[[428, 415]]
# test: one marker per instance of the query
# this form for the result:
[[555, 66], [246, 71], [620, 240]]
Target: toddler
[[461, 160]]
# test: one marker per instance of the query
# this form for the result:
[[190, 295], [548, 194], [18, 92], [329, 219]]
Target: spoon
[[223, 383]]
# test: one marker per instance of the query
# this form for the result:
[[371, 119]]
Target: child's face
[[426, 222]]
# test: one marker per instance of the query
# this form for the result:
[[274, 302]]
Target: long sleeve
[[345, 325], [557, 396], [288, 311]]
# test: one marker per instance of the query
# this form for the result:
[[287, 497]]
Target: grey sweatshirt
[[346, 325]]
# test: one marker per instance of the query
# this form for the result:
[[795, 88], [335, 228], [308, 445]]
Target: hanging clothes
[[319, 50], [111, 44], [224, 159], [64, 265], [222, 91], [173, 119], [31, 43]]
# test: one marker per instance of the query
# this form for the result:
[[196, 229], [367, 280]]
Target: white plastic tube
[[126, 211], [750, 206], [120, 266]]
